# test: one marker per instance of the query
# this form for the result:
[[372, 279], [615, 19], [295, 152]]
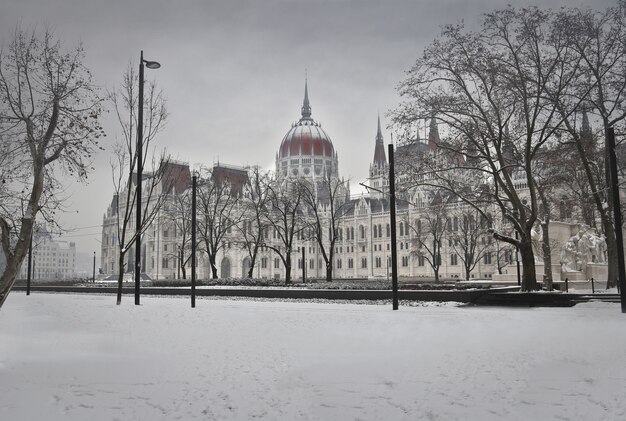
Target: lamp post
[[94, 268], [149, 65], [519, 281], [30, 260], [194, 182], [617, 215], [392, 214]]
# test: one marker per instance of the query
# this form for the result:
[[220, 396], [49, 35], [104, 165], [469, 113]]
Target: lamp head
[[152, 64]]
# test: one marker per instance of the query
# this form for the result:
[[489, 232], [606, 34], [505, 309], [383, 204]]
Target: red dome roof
[[306, 137]]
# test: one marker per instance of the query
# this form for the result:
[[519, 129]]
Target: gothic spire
[[586, 134], [586, 127], [306, 107], [433, 134], [379, 151]]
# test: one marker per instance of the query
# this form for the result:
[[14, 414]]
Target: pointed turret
[[508, 151], [379, 150], [433, 134], [586, 128], [306, 107], [586, 135]]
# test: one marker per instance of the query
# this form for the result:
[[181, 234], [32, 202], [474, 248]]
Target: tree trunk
[[8, 277], [14, 262], [288, 268], [329, 263], [120, 278], [529, 278], [611, 251], [6, 282], [252, 262], [547, 256]]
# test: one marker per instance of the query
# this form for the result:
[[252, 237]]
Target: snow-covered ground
[[81, 357]]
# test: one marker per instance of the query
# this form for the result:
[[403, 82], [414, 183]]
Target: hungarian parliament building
[[363, 246]]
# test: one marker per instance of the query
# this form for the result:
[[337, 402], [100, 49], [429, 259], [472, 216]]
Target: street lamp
[[519, 281], [149, 65], [392, 215]]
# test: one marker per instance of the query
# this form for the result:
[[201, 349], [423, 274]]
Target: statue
[[570, 260], [583, 248], [536, 239]]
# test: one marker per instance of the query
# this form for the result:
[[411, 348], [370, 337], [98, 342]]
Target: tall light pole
[[617, 215], [193, 240], [30, 261], [392, 214], [149, 65]]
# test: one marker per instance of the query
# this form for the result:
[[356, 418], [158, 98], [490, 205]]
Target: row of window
[[421, 261]]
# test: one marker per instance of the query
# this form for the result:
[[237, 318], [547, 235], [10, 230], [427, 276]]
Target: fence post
[[566, 285], [593, 288]]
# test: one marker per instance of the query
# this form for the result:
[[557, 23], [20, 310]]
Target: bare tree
[[256, 203], [470, 235], [49, 127], [326, 203], [429, 231], [219, 212], [286, 219], [494, 92], [124, 164], [178, 213], [597, 38]]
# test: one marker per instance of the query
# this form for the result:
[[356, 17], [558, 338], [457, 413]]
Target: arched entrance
[[245, 267], [225, 268]]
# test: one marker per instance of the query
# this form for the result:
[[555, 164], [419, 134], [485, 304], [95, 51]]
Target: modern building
[[51, 260]]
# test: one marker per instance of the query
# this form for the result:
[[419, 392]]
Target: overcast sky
[[233, 72]]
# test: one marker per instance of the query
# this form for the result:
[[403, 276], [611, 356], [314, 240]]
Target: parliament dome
[[306, 150]]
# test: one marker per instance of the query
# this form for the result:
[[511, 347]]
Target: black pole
[[139, 180], [519, 281], [193, 241], [93, 278], [617, 215], [303, 265], [392, 212], [30, 262]]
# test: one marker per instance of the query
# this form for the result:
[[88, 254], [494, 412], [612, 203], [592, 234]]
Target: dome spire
[[306, 107]]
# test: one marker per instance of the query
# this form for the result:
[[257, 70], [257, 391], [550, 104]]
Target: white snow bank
[[81, 357]]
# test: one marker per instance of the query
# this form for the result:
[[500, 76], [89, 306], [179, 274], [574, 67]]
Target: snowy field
[[81, 357]]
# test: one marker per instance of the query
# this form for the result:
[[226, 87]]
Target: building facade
[[51, 260], [363, 235]]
